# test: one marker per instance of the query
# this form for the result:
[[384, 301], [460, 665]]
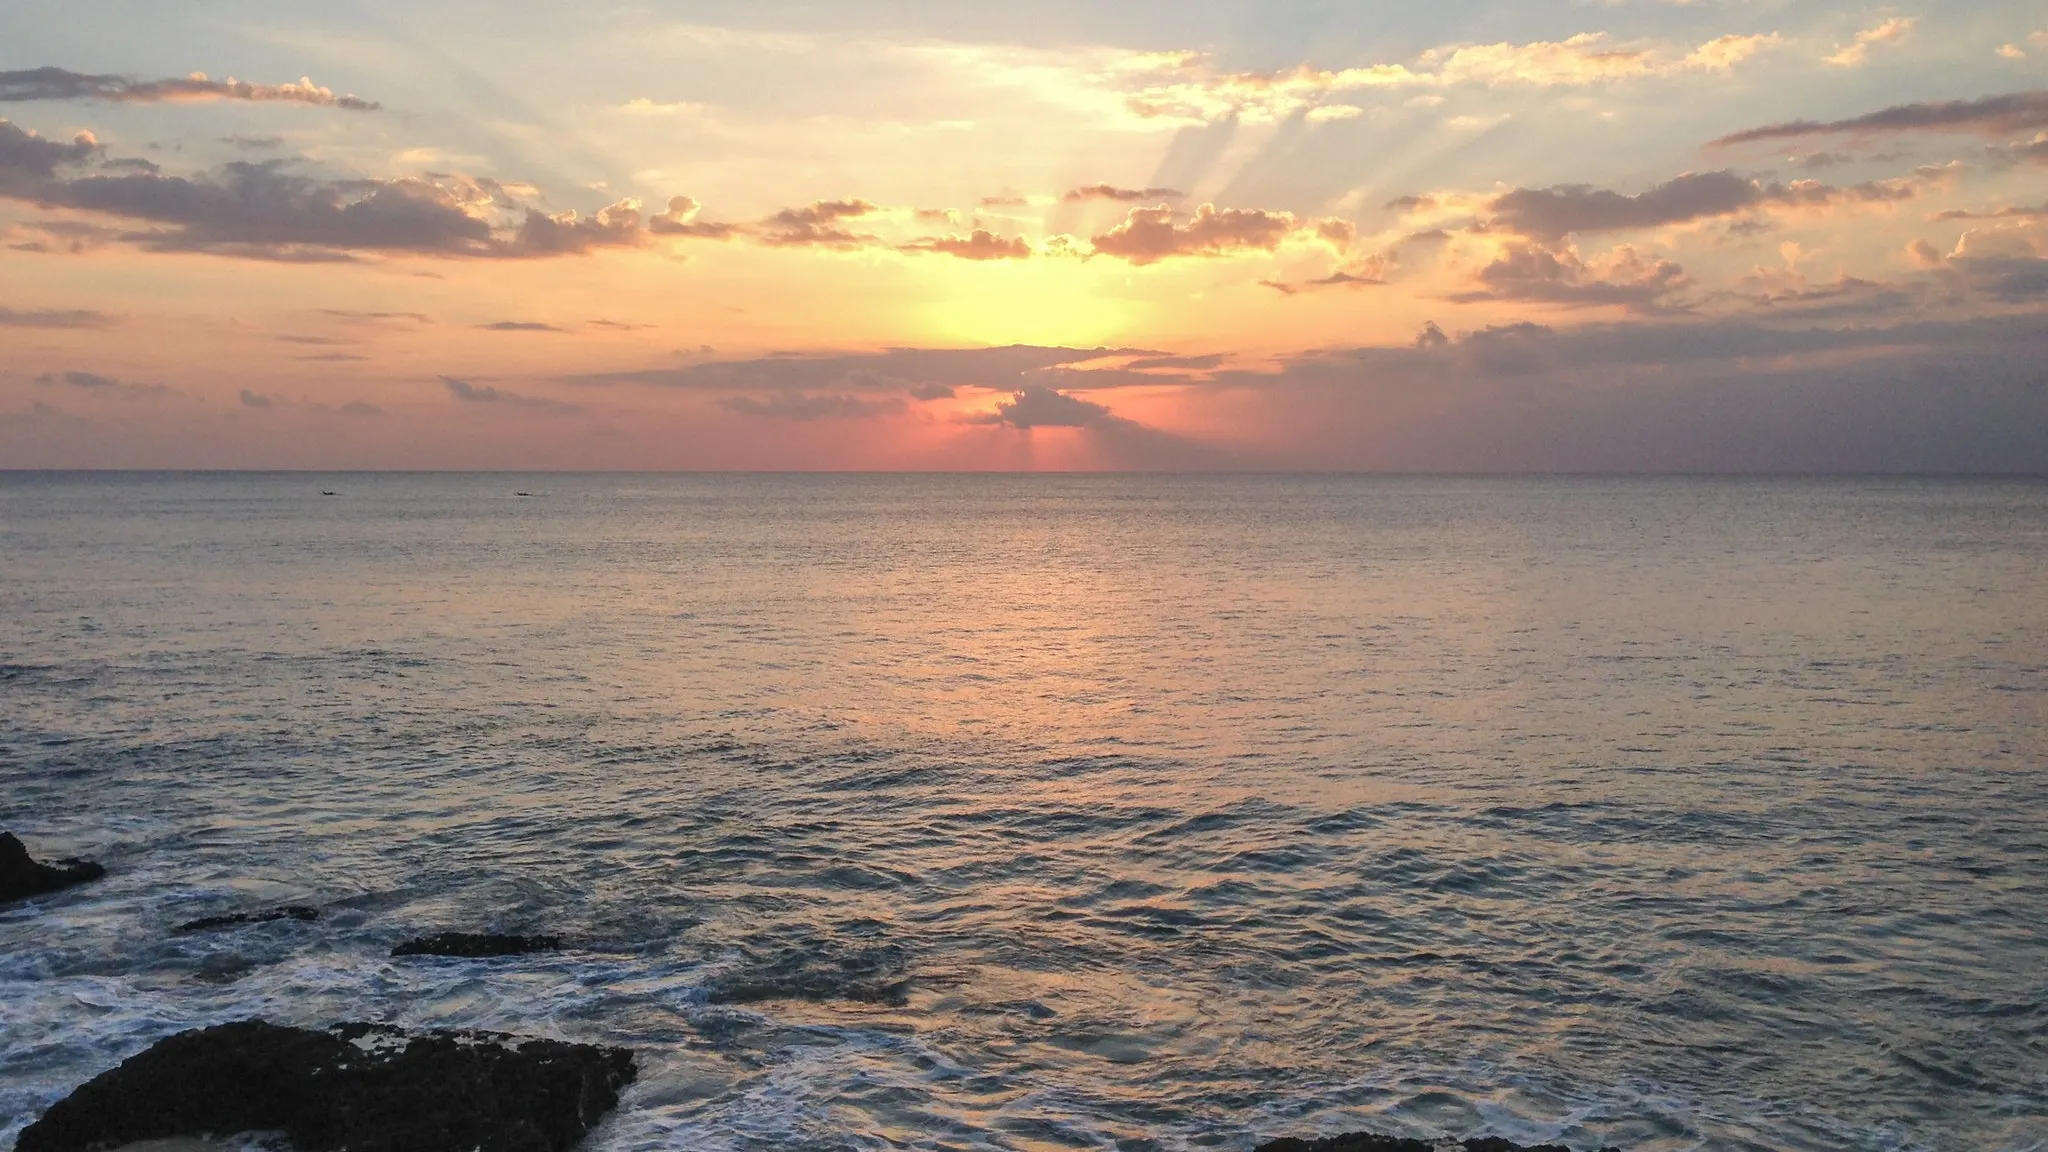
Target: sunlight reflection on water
[[1667, 813]]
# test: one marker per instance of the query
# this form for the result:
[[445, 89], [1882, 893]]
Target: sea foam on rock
[[1373, 1142], [21, 876], [355, 1087]]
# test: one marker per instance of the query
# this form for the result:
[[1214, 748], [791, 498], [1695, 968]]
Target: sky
[[1466, 236]]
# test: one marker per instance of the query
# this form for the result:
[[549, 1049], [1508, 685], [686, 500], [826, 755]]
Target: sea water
[[1061, 812]]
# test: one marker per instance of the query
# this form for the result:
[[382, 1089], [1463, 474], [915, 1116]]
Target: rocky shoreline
[[366, 1087], [350, 1086], [22, 876]]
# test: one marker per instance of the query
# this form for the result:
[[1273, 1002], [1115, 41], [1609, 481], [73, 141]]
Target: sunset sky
[[1722, 235]]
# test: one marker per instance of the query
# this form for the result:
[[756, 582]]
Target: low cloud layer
[[464, 392], [55, 318], [51, 83], [1118, 195], [790, 405], [1716, 396], [892, 370], [96, 384], [1552, 213], [1994, 115]]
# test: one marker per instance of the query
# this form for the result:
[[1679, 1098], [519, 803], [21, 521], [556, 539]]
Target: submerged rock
[[473, 945], [348, 1087], [236, 920], [21, 876], [1373, 1142]]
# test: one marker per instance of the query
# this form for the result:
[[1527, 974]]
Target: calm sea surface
[[1049, 813]]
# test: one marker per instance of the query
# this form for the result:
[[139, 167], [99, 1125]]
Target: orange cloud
[[1149, 235], [978, 245], [1858, 50]]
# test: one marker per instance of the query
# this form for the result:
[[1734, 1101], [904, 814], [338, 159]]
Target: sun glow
[[1039, 300]]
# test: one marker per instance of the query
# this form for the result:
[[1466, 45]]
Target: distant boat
[[325, 492], [522, 493]]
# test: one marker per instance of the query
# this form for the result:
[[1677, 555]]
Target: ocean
[[1062, 812]]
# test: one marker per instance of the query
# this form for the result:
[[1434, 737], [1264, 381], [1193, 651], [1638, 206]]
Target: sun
[[1039, 300]]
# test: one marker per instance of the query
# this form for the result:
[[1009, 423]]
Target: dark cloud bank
[[1731, 396], [1673, 395]]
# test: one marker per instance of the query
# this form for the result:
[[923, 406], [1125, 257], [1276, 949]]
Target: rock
[[1372, 1142], [471, 945], [288, 912], [22, 877], [348, 1087]]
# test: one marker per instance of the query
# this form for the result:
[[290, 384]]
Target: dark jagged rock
[[1373, 1142], [21, 876], [236, 920], [472, 945], [348, 1088]]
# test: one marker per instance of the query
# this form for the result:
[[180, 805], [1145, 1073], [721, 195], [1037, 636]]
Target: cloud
[[1551, 213], [361, 408], [2010, 211], [1184, 86], [263, 210], [2034, 151], [1822, 160], [1369, 273], [979, 245], [891, 370], [254, 143], [1149, 235], [1342, 279], [55, 318], [520, 326], [27, 159], [1623, 278], [256, 400], [97, 384], [804, 407], [1694, 395], [377, 319], [470, 393], [2005, 259], [1045, 408], [1193, 363], [1991, 116], [1119, 195], [816, 225], [680, 219], [51, 83], [1790, 294], [566, 233], [467, 393], [1858, 50]]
